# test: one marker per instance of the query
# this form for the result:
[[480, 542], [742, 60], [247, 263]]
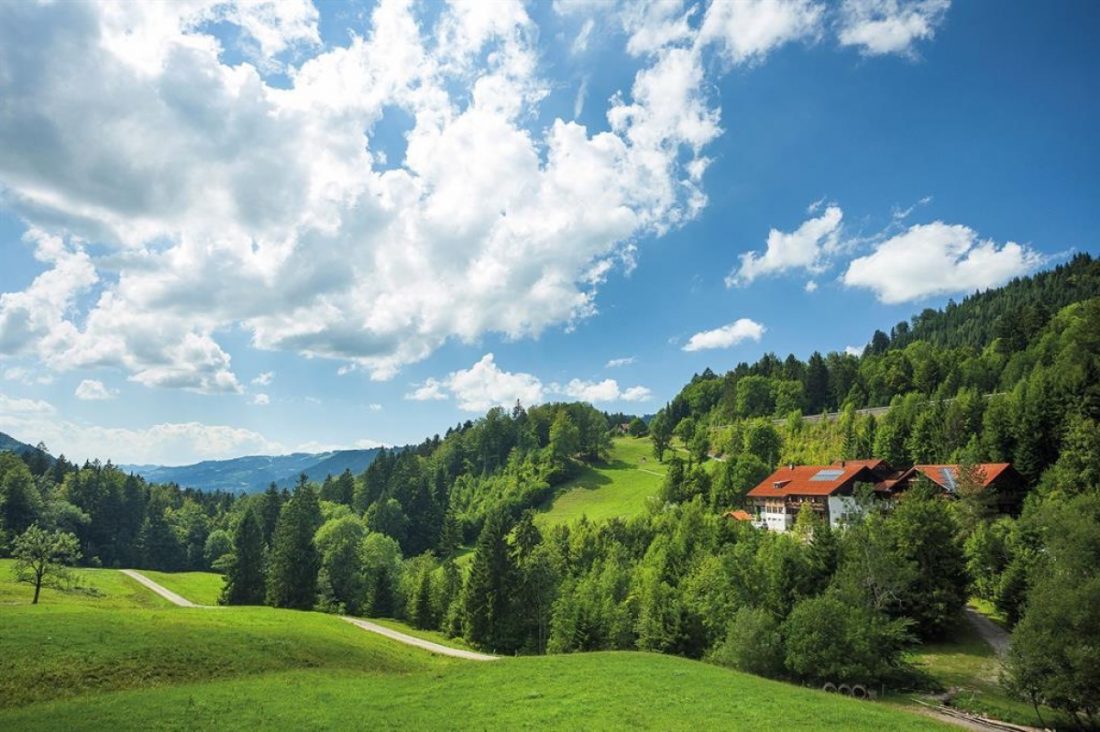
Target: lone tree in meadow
[[41, 557]]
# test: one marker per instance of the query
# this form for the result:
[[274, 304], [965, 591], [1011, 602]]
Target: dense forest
[[443, 534]]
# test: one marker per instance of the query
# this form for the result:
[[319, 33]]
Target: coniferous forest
[[444, 534]]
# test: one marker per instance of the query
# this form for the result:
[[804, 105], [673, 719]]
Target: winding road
[[398, 636]]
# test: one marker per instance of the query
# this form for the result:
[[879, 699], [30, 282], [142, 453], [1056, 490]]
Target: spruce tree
[[294, 558], [489, 588], [244, 581]]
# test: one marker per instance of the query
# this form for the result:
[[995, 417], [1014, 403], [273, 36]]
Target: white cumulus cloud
[[264, 378], [728, 335], [805, 248], [938, 259], [879, 27], [218, 199], [617, 362], [261, 400], [94, 390], [607, 390]]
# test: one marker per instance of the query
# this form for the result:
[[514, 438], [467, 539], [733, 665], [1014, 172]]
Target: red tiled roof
[[989, 472], [739, 515], [799, 480]]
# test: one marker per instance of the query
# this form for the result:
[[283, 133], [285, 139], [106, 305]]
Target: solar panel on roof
[[948, 479], [828, 474]]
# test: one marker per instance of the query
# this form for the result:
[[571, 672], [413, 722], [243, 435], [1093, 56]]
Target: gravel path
[[161, 590], [419, 642], [991, 633], [398, 636]]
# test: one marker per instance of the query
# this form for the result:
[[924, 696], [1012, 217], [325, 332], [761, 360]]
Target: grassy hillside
[[617, 488], [115, 657], [555, 692], [202, 588]]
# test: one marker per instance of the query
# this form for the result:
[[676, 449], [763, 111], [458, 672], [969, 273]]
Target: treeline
[[118, 519]]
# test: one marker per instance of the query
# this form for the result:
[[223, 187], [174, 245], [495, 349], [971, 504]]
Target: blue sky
[[226, 230]]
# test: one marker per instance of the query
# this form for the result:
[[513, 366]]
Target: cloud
[[616, 362], [264, 378], [806, 248], [217, 200], [747, 30], [879, 27], [19, 406], [482, 386], [938, 259], [27, 376], [431, 389], [602, 391], [726, 336], [374, 407], [810, 286], [166, 444], [261, 400], [485, 385], [854, 350], [93, 390], [580, 43]]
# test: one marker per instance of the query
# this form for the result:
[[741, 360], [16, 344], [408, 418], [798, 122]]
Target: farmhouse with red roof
[[830, 489]]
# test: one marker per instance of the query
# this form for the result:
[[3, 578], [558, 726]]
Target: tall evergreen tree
[[489, 588], [271, 503], [294, 558], [244, 580]]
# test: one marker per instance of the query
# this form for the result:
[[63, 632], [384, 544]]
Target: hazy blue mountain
[[9, 444], [255, 472]]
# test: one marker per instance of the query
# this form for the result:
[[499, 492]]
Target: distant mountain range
[[255, 472], [244, 474]]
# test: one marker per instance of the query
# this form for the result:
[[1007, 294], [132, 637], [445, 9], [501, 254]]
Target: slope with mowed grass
[[201, 588], [584, 691], [101, 588], [618, 488], [107, 639], [104, 659]]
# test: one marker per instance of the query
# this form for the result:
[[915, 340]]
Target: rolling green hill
[[617, 488], [115, 656]]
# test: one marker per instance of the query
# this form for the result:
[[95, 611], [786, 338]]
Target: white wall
[[840, 507]]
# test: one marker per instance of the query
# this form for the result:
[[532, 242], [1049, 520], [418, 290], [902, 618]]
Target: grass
[[101, 588], [52, 651], [120, 659], [967, 664], [430, 635], [586, 691], [617, 488], [201, 588]]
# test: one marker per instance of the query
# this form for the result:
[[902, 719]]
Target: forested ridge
[[1012, 375]]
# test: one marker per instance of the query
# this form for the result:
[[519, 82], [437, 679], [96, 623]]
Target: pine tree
[[294, 557], [271, 503], [244, 580], [489, 588]]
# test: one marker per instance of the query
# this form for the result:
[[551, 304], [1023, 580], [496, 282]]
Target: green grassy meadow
[[117, 657], [967, 664], [618, 488], [201, 588]]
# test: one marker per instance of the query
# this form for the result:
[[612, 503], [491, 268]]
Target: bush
[[829, 640], [753, 644]]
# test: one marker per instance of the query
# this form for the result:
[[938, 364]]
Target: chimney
[[842, 463]]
